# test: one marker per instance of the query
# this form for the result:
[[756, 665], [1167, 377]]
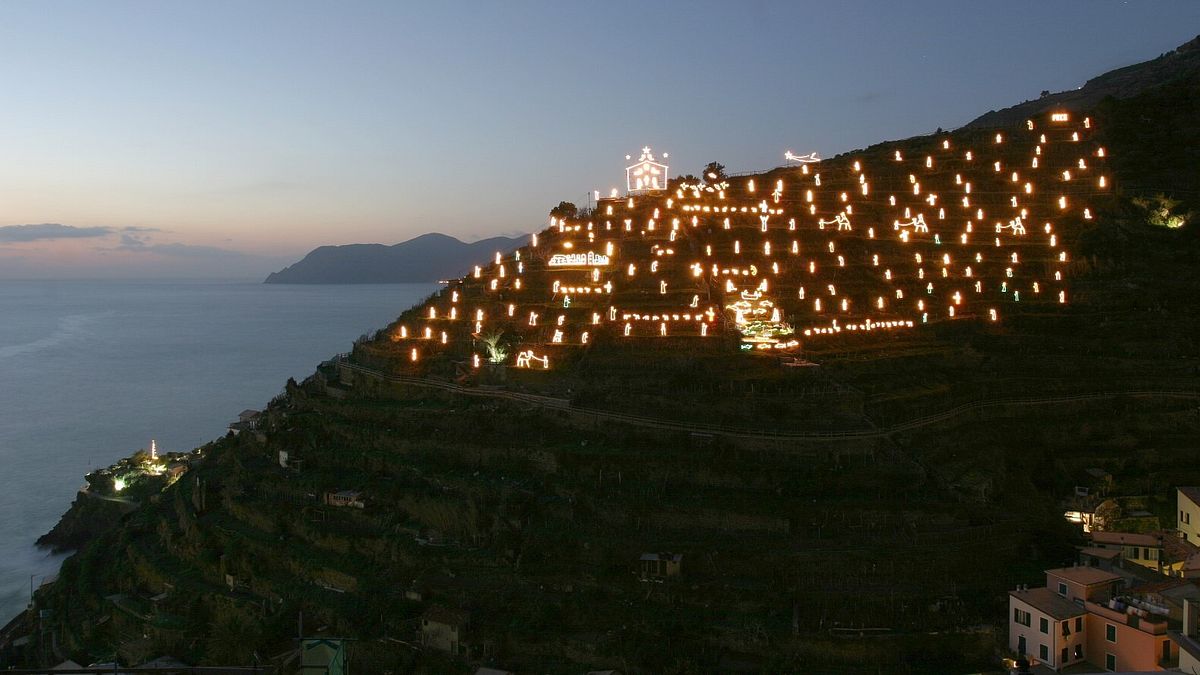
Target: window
[[1066, 656], [1079, 651], [1021, 616], [1066, 626], [1146, 554], [1110, 662], [1110, 632], [1062, 589], [1043, 652], [1044, 625], [1133, 552], [1078, 624]]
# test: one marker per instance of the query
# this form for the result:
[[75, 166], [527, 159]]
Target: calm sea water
[[91, 371]]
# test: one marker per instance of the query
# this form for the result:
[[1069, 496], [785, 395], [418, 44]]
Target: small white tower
[[153, 451]]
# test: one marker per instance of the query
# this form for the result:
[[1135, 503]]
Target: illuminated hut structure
[[966, 225], [646, 174]]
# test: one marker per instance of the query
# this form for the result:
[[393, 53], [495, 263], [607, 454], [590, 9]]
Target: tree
[[497, 349], [714, 172], [564, 210], [687, 178], [1163, 211]]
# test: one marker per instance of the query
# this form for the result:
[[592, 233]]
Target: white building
[[1187, 500]]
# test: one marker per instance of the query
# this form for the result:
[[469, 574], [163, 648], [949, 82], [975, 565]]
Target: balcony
[[1150, 623]]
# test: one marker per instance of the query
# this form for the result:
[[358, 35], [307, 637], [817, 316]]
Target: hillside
[[1122, 83], [429, 257], [851, 487]]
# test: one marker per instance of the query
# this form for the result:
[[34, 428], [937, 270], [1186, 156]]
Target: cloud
[[136, 228], [176, 250], [46, 231]]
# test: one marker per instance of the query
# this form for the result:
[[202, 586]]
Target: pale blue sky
[[230, 131]]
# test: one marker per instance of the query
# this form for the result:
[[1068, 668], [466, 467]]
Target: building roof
[[447, 616], [1127, 538], [1084, 575], [1159, 586], [673, 557], [1186, 643], [1048, 602], [1177, 548], [1191, 492], [1101, 553]]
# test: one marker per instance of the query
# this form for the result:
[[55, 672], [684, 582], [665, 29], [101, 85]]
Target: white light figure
[[810, 158], [841, 220], [646, 174], [153, 451], [525, 359], [918, 224]]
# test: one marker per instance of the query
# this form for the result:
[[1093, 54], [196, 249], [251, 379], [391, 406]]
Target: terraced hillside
[[965, 225], [527, 518]]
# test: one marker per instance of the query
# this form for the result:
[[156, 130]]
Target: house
[[445, 629], [1128, 634], [1187, 500], [1191, 567], [247, 421], [1141, 549], [646, 174], [1188, 638], [1082, 583], [351, 498], [1046, 626], [175, 470], [1103, 558], [1083, 615], [659, 566]]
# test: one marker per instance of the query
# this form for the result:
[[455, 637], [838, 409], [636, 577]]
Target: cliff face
[[89, 517], [427, 258]]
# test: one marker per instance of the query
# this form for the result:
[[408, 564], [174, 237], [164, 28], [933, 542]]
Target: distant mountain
[[429, 257], [1121, 83]]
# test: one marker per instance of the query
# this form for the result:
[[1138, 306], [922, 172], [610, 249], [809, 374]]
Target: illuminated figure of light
[[842, 221], [646, 174], [810, 158]]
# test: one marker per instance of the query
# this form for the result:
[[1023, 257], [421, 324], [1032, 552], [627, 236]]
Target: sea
[[91, 371]]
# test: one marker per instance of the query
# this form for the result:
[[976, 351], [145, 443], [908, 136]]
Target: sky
[[226, 139]]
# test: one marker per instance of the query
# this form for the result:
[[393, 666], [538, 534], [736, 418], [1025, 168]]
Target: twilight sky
[[211, 139]]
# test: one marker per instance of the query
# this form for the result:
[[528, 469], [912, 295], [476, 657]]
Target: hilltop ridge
[[1122, 83], [429, 257]]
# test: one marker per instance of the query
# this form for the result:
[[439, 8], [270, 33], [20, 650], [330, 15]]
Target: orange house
[[1123, 641]]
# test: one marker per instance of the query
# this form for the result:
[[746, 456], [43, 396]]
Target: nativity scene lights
[[959, 226]]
